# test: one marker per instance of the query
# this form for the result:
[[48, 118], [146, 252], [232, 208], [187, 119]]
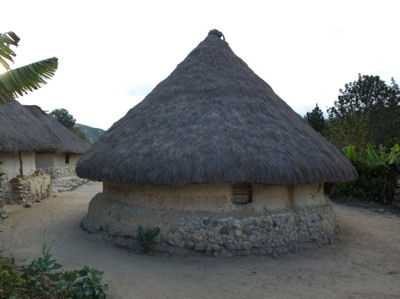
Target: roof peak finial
[[217, 33]]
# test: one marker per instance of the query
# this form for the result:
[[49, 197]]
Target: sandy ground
[[364, 262]]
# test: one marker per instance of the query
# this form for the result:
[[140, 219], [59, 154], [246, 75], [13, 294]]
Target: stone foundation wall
[[241, 231], [60, 172], [64, 178], [25, 190]]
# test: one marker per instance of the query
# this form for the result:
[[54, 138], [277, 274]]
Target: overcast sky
[[112, 53]]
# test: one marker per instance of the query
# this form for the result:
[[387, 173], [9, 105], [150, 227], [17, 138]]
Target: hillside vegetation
[[91, 134]]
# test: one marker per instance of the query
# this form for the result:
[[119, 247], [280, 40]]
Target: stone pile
[[64, 179]]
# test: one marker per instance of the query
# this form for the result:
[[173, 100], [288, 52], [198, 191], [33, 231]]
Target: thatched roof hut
[[60, 137], [216, 160], [213, 120], [20, 130], [30, 129]]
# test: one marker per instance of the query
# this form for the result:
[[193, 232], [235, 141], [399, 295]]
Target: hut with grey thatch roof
[[217, 161], [28, 136], [68, 146]]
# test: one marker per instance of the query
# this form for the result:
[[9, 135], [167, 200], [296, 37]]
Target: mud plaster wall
[[10, 163], [215, 197], [199, 219], [52, 160]]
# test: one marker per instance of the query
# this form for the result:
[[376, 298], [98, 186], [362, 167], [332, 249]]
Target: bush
[[147, 237], [39, 280], [378, 170]]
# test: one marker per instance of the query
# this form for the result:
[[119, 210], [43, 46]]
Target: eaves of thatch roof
[[213, 120], [63, 139], [29, 129]]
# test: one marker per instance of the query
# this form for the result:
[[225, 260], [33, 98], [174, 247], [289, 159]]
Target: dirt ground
[[364, 262]]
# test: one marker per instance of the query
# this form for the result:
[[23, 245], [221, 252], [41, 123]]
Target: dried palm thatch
[[29, 129], [64, 140], [20, 131], [213, 120]]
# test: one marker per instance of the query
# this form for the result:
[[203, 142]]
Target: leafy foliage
[[89, 284], [91, 134], [11, 284], [64, 117], [6, 53], [316, 119], [147, 237], [349, 129], [19, 81], [379, 173], [374, 102], [39, 280]]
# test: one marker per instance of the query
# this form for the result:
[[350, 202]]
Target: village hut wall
[[218, 162], [31, 140], [202, 218], [60, 163]]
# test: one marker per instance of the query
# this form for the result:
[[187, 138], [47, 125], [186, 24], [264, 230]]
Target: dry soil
[[363, 262]]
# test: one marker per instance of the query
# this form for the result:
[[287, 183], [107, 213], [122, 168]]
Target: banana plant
[[19, 81]]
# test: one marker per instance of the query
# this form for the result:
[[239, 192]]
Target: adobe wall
[[215, 197], [10, 163], [73, 159], [53, 160], [45, 160], [202, 219]]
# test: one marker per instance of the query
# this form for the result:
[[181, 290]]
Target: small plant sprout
[[147, 237]]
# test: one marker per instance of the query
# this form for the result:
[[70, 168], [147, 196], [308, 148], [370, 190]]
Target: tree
[[20, 81], [67, 120], [377, 103], [64, 117], [316, 119]]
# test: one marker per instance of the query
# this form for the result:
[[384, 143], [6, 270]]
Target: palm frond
[[20, 81], [6, 53]]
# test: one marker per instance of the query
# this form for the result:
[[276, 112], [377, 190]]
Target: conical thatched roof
[[63, 139], [213, 120], [29, 129]]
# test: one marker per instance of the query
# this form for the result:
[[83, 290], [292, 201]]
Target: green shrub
[[39, 280], [147, 237], [11, 284], [378, 170]]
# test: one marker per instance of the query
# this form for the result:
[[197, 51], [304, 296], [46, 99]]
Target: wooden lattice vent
[[242, 193]]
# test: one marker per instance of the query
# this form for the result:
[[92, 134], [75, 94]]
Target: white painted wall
[[45, 160], [59, 160], [53, 160], [10, 163], [28, 163], [74, 159]]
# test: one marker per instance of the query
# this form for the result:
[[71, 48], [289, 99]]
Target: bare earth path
[[364, 262]]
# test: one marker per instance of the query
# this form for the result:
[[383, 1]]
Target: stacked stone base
[[64, 178], [187, 233], [26, 190]]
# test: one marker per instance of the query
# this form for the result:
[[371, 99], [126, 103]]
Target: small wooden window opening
[[242, 193], [66, 158]]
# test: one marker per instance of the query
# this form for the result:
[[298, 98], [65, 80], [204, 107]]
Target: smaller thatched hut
[[31, 140], [216, 160], [68, 146], [21, 136]]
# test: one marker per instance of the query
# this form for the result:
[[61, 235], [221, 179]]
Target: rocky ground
[[363, 262]]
